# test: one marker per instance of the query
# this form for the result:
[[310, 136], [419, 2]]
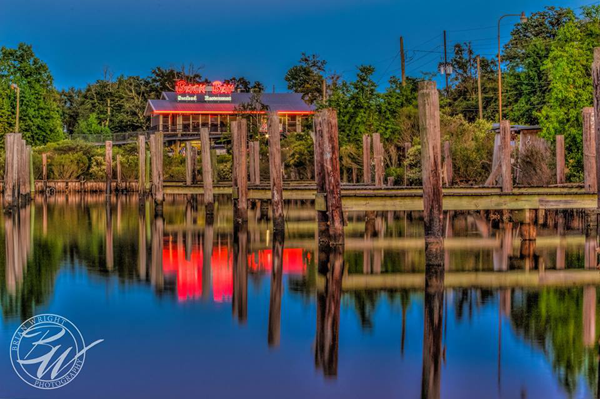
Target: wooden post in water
[[326, 130], [429, 126], [256, 153], [45, 171], [31, 174], [23, 173], [507, 185], [194, 165], [378, 158], [448, 163], [251, 162], [142, 167], [276, 174], [9, 182], [207, 180], [188, 163], [108, 161], [366, 159], [407, 147], [156, 150], [320, 200], [239, 130], [274, 327], [560, 159], [589, 150], [596, 88], [118, 172]]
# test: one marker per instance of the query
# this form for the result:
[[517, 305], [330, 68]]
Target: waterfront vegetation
[[547, 82]]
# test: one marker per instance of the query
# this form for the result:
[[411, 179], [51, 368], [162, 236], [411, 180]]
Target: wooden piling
[[239, 131], [108, 161], [596, 93], [589, 150], [156, 154], [118, 172], [251, 162], [207, 180], [276, 173], [507, 184], [9, 182], [429, 126], [407, 147], [194, 165], [142, 166], [378, 159], [45, 171], [448, 163], [256, 156], [560, 159], [366, 159], [326, 125], [320, 201], [188, 163]]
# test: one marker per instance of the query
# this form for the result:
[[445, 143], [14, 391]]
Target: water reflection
[[519, 301]]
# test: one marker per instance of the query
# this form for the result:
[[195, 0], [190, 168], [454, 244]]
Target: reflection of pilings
[[240, 273], [207, 250], [589, 315], [109, 237], [501, 255], [17, 229], [156, 256], [590, 254], [276, 292], [142, 242], [328, 314], [433, 318]]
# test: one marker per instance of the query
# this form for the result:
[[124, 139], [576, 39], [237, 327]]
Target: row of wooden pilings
[[19, 183]]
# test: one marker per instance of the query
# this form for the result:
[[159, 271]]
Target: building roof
[[280, 102]]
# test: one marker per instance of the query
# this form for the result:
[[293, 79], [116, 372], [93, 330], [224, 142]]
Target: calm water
[[192, 310]]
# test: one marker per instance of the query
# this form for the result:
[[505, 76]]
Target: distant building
[[213, 106]]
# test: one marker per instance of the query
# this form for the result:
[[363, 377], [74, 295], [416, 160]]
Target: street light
[[523, 19], [16, 88]]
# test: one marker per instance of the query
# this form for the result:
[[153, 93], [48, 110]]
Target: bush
[[68, 166], [224, 167]]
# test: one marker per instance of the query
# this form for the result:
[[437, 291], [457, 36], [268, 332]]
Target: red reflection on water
[[189, 272]]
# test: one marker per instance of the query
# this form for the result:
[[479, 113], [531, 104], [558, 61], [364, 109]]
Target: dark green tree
[[307, 78], [40, 119]]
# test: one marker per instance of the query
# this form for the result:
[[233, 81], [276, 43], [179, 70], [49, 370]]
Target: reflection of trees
[[467, 300], [552, 319], [26, 276]]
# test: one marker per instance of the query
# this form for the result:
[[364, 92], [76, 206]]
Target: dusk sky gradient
[[259, 39]]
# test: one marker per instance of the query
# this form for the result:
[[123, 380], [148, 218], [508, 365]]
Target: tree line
[[546, 79]]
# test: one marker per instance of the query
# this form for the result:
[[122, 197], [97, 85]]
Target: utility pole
[[479, 88], [402, 61], [446, 63]]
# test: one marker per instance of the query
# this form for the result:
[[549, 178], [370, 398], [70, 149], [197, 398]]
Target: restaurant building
[[215, 105]]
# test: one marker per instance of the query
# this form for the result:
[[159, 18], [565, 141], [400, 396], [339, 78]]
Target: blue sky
[[258, 39]]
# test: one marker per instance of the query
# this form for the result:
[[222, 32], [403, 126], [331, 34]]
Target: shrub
[[68, 166]]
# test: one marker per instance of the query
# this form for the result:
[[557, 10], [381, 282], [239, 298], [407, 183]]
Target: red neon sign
[[183, 87], [221, 88]]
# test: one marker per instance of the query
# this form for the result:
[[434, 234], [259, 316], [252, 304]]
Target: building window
[[223, 123], [291, 123], [195, 123], [204, 119], [214, 123], [185, 123]]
